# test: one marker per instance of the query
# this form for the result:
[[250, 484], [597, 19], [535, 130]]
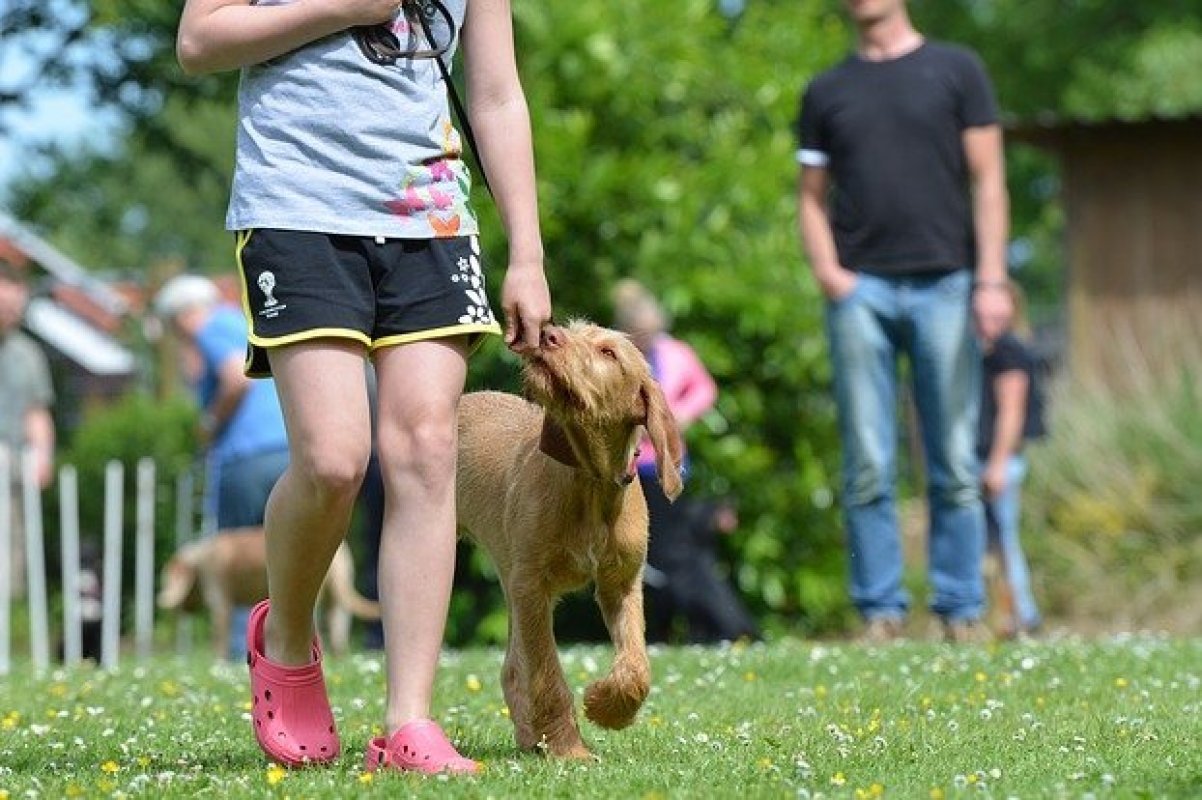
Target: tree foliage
[[664, 136]]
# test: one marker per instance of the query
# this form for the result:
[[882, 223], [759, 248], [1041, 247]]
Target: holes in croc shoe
[[303, 748], [267, 695], [270, 714]]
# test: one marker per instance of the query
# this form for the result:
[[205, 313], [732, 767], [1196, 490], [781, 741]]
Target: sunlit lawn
[[1114, 718]]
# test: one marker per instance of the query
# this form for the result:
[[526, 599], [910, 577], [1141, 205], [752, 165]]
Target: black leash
[[456, 101]]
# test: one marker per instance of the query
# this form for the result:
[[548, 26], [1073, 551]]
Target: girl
[[354, 239]]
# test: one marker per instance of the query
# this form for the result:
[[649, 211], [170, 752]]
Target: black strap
[[460, 111]]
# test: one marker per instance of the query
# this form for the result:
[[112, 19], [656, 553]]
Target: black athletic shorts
[[298, 286]]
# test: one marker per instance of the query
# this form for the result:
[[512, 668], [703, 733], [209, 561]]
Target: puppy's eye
[[609, 352]]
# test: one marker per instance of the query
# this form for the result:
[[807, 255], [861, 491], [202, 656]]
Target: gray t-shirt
[[24, 385], [332, 143]]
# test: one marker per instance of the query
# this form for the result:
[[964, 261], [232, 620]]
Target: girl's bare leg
[[323, 394], [419, 388]]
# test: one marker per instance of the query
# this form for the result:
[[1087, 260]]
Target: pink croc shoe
[[419, 746], [290, 708]]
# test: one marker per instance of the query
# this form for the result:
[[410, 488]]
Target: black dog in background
[[91, 602]]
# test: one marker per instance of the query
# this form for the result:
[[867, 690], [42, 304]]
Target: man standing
[[904, 218], [26, 395], [241, 422]]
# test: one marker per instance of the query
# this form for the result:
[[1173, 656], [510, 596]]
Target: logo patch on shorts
[[271, 306]]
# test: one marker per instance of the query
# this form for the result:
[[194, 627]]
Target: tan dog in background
[[551, 494], [229, 569]]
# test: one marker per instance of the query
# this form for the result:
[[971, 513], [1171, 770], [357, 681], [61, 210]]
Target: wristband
[[986, 284]]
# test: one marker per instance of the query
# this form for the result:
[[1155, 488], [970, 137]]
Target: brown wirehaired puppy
[[550, 491], [229, 569]]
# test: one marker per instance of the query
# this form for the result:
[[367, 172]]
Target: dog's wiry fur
[[550, 493], [229, 569]]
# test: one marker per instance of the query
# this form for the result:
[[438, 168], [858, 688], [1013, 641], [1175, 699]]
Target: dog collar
[[553, 443]]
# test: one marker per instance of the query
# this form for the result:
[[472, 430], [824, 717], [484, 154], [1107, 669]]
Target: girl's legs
[[1007, 508], [324, 399], [419, 388]]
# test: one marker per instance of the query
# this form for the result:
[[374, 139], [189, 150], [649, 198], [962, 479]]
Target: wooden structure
[[1132, 193]]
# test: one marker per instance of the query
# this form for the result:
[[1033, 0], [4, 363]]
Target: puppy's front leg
[[613, 701], [548, 706]]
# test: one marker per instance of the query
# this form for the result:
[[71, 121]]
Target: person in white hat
[[242, 427]]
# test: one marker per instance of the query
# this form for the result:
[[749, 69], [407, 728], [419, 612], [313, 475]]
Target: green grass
[[1071, 718]]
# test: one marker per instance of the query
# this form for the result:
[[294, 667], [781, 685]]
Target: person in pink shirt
[[682, 576]]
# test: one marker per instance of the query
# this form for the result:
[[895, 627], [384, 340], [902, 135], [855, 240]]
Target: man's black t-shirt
[[1009, 353], [890, 134]]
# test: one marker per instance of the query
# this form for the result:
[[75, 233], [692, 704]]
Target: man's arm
[[232, 386], [39, 439], [991, 217], [818, 239]]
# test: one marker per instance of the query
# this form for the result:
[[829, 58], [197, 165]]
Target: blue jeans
[[1005, 509], [243, 486], [928, 320]]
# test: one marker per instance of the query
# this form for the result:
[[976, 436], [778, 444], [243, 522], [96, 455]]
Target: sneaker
[[965, 631], [881, 630]]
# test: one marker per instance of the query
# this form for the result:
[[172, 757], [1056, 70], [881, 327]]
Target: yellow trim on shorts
[[314, 333], [440, 333]]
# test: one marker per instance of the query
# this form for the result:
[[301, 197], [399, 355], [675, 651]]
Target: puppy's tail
[[340, 583]]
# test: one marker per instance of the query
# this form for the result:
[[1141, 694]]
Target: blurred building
[[1132, 195], [77, 318]]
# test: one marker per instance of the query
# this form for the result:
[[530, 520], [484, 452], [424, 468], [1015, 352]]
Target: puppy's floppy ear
[[665, 437]]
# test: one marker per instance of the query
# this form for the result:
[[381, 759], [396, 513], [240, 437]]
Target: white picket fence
[[114, 539]]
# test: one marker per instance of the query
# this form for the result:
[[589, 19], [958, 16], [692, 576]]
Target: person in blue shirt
[[242, 427]]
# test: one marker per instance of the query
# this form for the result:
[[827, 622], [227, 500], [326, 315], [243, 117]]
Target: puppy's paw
[[612, 704]]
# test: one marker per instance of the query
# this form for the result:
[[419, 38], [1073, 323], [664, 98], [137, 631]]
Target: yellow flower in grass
[[365, 778], [936, 793], [11, 720], [3, 794], [874, 791], [749, 677], [275, 774], [1120, 683], [838, 779], [110, 767], [473, 684]]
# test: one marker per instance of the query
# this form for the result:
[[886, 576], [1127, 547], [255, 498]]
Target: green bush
[[136, 427], [1113, 516]]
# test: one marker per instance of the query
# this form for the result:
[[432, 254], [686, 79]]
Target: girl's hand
[[526, 301]]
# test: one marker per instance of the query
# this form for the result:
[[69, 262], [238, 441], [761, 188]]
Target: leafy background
[[664, 136]]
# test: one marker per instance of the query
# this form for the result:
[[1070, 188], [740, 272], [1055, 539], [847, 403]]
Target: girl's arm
[[1010, 391], [216, 35], [497, 108]]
